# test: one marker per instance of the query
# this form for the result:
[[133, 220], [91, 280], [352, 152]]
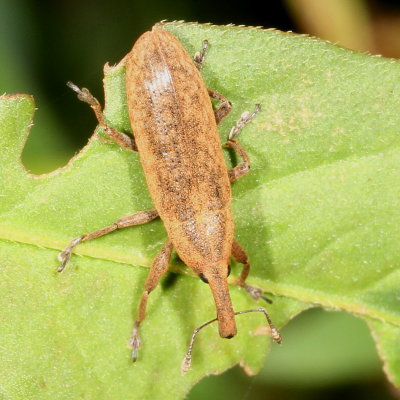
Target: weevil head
[[216, 276], [205, 279]]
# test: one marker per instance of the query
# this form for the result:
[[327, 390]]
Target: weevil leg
[[139, 218], [223, 109], [244, 167], [241, 256], [200, 56], [120, 138], [157, 270]]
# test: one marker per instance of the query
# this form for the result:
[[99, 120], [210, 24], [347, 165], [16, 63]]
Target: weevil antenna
[[187, 361]]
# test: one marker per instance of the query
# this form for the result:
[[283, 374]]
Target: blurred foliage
[[340, 21], [369, 26], [45, 43]]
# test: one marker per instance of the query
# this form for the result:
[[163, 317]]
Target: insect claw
[[268, 300], [135, 354], [64, 258], [134, 342]]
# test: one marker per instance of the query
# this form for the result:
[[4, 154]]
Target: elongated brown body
[[175, 129], [180, 151]]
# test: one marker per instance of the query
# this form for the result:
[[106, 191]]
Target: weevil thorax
[[180, 151]]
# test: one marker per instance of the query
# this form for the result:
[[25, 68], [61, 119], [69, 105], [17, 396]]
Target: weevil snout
[[216, 277]]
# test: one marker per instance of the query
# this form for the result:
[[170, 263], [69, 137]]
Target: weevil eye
[[229, 270], [203, 278]]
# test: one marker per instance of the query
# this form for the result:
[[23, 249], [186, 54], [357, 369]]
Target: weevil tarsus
[[85, 96], [65, 255], [200, 56], [244, 119], [139, 218], [134, 342], [244, 167], [187, 361], [122, 139]]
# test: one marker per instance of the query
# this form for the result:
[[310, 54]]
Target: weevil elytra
[[175, 133]]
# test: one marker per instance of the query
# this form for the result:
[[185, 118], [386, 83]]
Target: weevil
[[176, 136]]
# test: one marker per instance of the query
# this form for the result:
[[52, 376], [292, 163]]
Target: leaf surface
[[318, 215]]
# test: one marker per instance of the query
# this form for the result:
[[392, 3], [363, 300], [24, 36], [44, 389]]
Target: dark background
[[45, 43]]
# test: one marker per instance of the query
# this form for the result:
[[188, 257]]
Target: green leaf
[[318, 215]]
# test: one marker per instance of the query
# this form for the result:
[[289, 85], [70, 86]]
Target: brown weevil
[[175, 133]]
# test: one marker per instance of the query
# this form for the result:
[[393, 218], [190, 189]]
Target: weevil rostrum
[[176, 136]]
